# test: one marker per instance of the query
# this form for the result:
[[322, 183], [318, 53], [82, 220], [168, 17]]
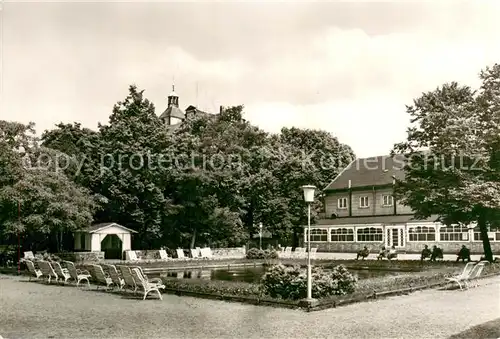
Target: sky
[[345, 67]]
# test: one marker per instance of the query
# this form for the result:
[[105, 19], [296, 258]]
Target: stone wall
[[80, 257], [232, 253]]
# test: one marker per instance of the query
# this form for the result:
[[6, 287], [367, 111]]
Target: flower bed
[[365, 290]]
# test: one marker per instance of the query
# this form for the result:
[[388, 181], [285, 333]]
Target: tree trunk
[[488, 254], [295, 237], [57, 241], [193, 239], [59, 249]]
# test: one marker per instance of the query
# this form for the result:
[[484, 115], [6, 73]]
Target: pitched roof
[[173, 111], [373, 171], [384, 219], [192, 110], [99, 227]]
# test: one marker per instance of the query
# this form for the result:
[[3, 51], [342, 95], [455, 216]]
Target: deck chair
[[462, 277], [163, 254], [115, 277], [475, 273], [33, 272], [152, 280], [287, 254], [47, 270], [144, 284], [195, 253], [131, 255], [313, 252], [206, 253], [62, 273], [76, 274], [301, 253], [180, 253], [29, 255], [128, 279], [100, 278]]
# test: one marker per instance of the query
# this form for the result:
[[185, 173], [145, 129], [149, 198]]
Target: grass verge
[[490, 329]]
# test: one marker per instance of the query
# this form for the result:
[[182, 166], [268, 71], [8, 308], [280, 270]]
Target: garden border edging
[[295, 304]]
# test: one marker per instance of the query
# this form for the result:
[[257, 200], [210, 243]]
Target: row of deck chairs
[[196, 253], [110, 276], [470, 272], [299, 253]]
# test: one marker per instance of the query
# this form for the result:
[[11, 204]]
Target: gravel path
[[35, 310]]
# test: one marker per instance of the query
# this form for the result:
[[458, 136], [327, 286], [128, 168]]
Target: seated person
[[463, 254], [363, 253], [382, 254], [426, 253], [437, 253], [392, 253]]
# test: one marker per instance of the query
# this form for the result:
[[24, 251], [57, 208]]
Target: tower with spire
[[173, 115]]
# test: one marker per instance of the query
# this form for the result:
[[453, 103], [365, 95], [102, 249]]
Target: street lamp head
[[260, 225], [309, 193]]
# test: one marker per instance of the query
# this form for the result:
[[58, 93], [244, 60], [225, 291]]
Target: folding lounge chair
[[195, 253], [144, 284], [180, 253], [462, 277], [206, 253], [163, 254], [29, 255], [287, 254], [62, 273], [100, 277], [76, 274], [313, 252], [152, 280], [128, 279], [115, 277], [475, 273], [47, 270], [131, 256], [33, 272]]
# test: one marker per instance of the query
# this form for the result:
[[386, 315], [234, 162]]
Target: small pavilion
[[111, 238]]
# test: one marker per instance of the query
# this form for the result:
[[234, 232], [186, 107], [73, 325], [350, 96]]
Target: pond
[[253, 274]]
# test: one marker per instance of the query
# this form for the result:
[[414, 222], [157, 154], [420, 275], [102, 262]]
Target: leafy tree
[[309, 157], [49, 202], [453, 155], [121, 161]]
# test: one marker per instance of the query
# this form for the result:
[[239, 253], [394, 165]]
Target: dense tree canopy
[[37, 199], [453, 155], [210, 181]]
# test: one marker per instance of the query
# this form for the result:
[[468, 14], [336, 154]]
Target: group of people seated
[[384, 253], [436, 253], [389, 254], [463, 254]]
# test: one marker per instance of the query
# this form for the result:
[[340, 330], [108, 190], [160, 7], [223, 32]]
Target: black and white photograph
[[249, 169]]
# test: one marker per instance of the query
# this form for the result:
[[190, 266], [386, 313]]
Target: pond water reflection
[[253, 274]]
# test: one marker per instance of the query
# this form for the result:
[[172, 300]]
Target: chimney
[[221, 109]]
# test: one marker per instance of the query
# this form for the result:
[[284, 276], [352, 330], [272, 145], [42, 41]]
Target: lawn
[[490, 329]]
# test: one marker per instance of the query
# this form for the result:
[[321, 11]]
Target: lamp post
[[309, 198], [260, 236]]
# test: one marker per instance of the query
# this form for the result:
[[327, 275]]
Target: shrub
[[291, 282], [255, 253]]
